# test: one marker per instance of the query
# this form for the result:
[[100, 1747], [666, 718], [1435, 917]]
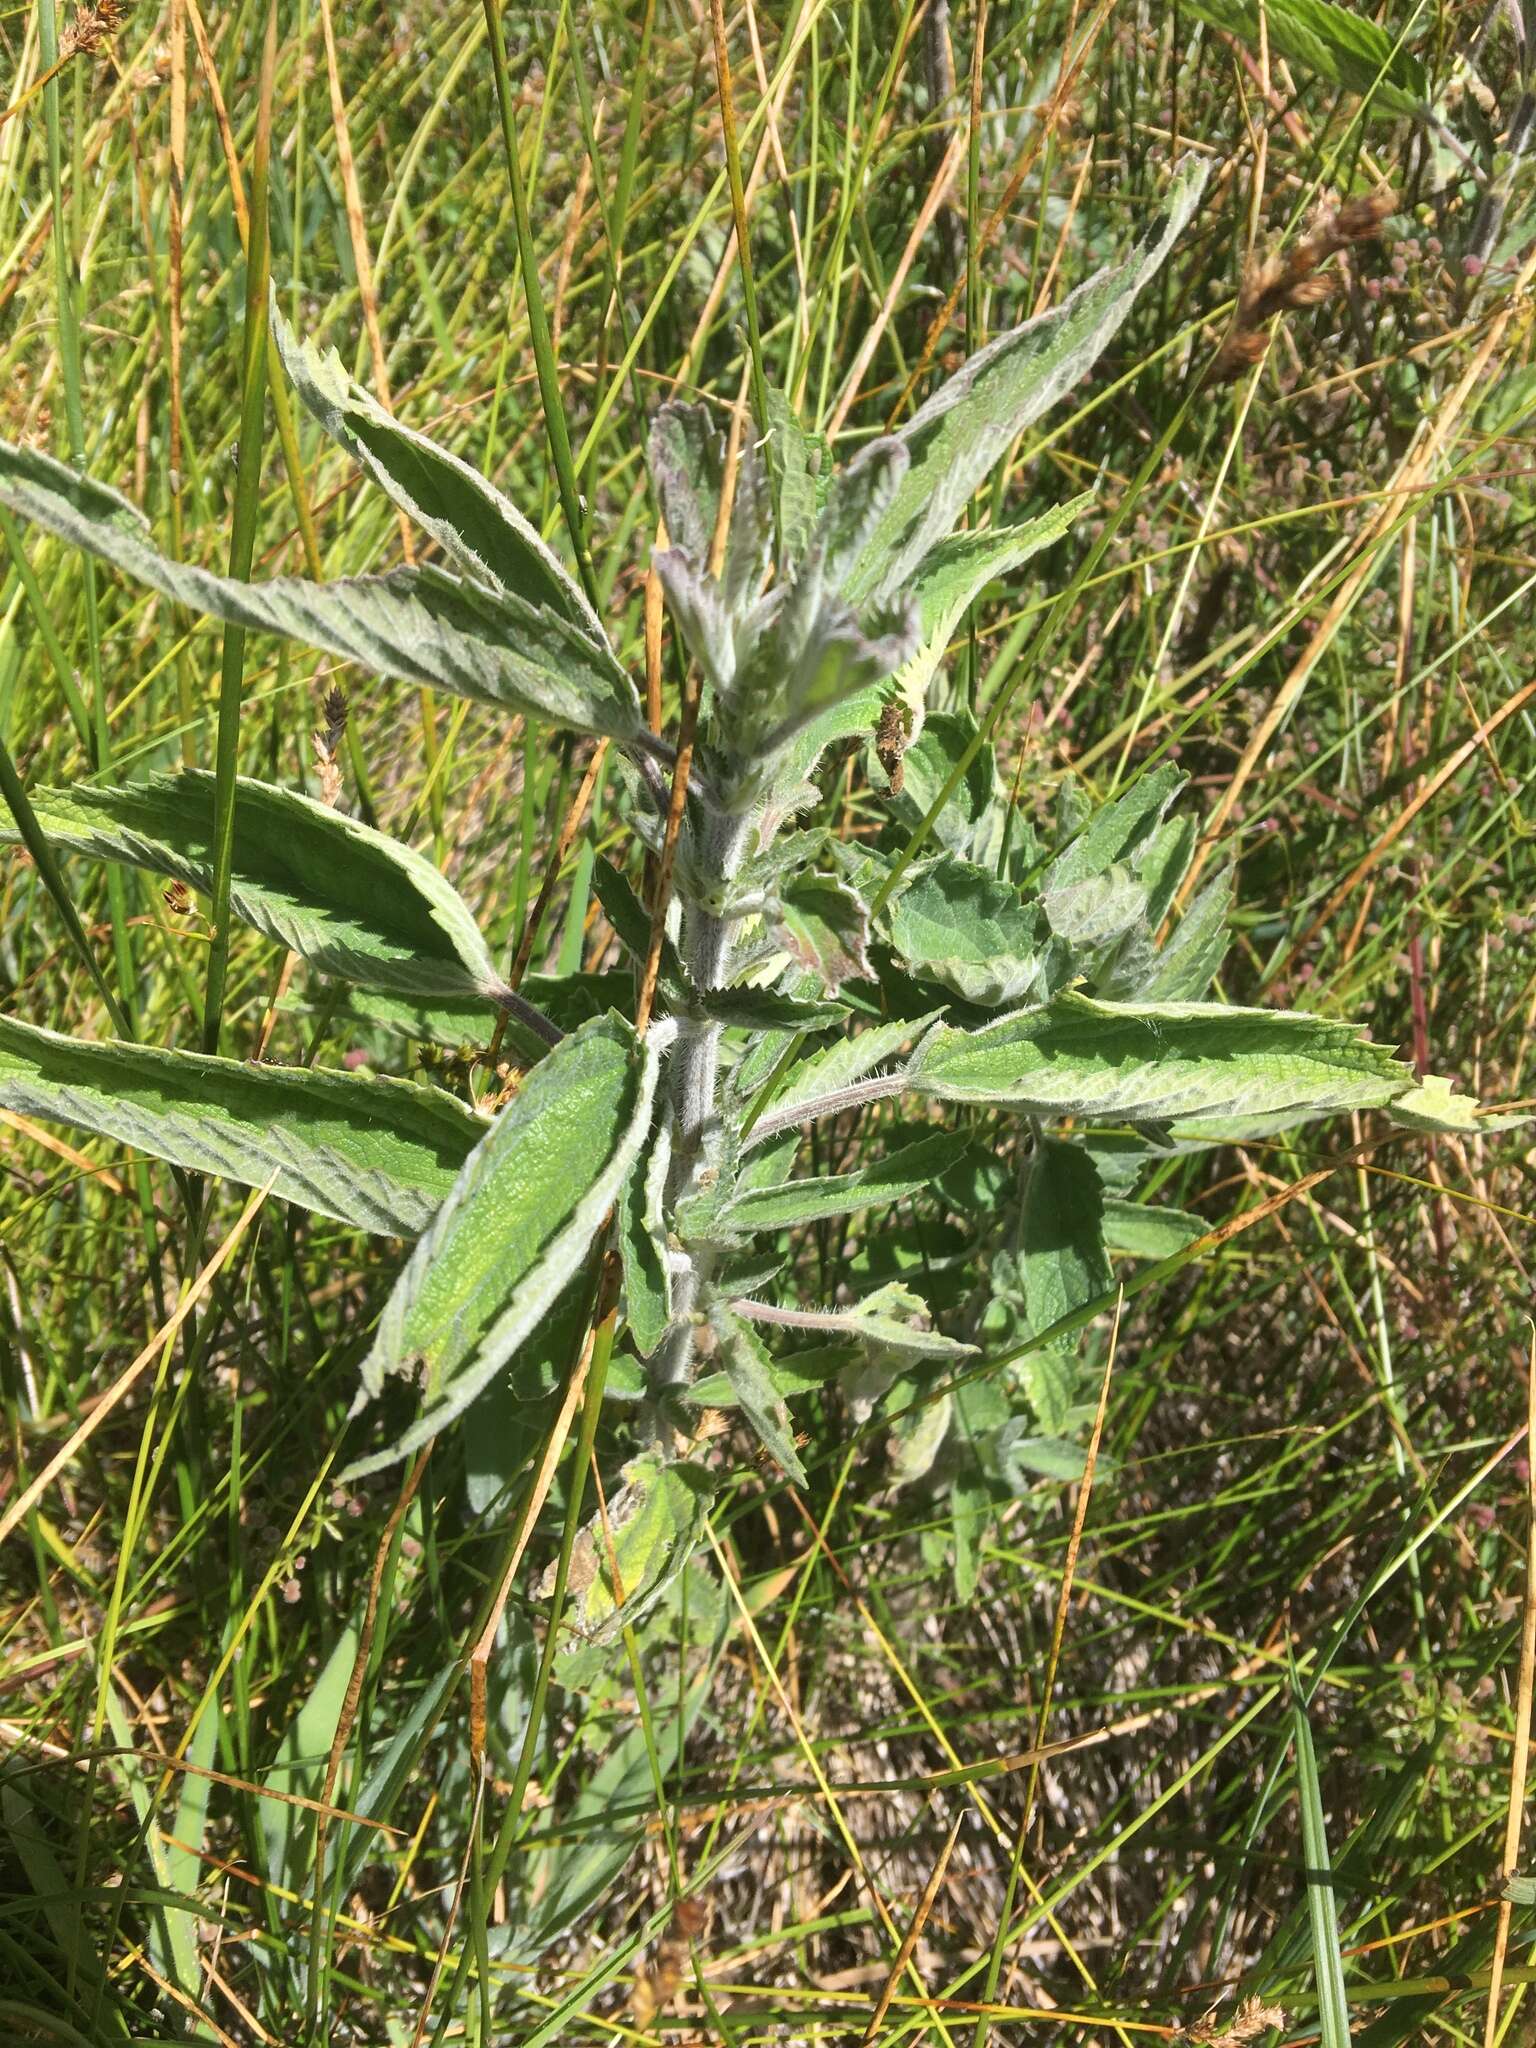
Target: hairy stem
[[693, 1082], [854, 1096]]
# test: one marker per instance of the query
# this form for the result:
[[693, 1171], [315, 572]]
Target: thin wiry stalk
[[538, 323], [242, 542]]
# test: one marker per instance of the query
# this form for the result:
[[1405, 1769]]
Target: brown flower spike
[[1251, 2019], [655, 1989], [1287, 283], [327, 743], [91, 27]]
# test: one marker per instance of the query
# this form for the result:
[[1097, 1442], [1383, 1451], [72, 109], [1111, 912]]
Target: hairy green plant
[[989, 1027]]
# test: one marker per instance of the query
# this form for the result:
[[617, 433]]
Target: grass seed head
[[1251, 2019], [327, 743], [92, 27], [1291, 282]]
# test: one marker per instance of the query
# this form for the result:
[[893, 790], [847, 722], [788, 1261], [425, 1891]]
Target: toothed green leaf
[[1190, 1064], [459, 508], [954, 576], [959, 926], [825, 927], [749, 1368], [1114, 832], [519, 1221], [1195, 1065], [892, 1319], [376, 1153], [838, 1066], [1023, 1457], [1061, 1260], [643, 1246], [645, 1533], [1188, 962], [960, 434], [896, 1177], [1336, 44], [421, 624], [353, 902], [1434, 1106], [792, 465], [1207, 1071]]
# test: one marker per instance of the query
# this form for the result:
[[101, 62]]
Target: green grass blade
[[1317, 1874]]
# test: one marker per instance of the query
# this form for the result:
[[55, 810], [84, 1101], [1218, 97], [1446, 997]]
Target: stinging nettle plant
[[991, 1030]]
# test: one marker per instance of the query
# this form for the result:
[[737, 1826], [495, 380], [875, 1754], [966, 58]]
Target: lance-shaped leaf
[[1117, 830], [419, 624], [894, 1178], [1337, 44], [964, 429], [1188, 962], [376, 1153], [767, 1009], [1162, 861], [1146, 1230], [518, 1222], [647, 1530], [790, 1373], [892, 1319], [687, 462], [1093, 914], [814, 1085], [631, 922], [749, 1368], [955, 574], [1193, 1064], [463, 512], [354, 902], [1062, 1264], [698, 611], [794, 461], [1108, 890]]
